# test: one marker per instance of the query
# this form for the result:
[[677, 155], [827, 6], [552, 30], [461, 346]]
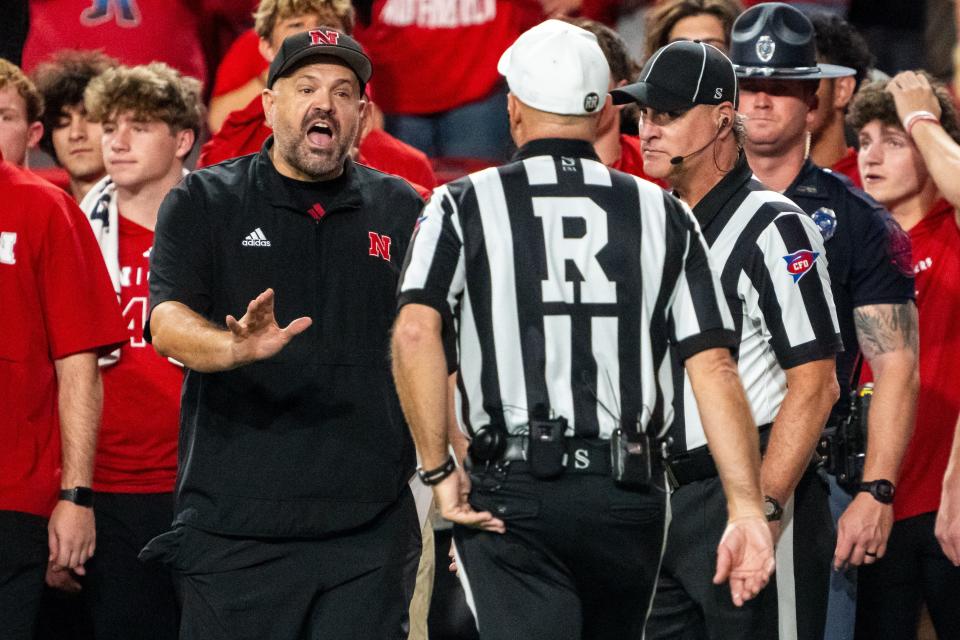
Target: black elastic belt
[[584, 455], [697, 464]]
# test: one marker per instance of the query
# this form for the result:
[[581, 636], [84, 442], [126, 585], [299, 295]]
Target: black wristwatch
[[80, 496], [772, 509], [881, 490]]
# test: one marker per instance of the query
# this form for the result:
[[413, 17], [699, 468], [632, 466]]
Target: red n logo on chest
[[379, 245]]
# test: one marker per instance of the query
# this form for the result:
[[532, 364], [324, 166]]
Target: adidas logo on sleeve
[[256, 239]]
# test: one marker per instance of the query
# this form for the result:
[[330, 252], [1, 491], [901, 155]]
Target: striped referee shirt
[[566, 283], [773, 271]]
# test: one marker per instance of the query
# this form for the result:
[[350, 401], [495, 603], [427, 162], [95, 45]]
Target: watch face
[[884, 489]]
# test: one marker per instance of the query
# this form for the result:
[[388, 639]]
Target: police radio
[[843, 447]]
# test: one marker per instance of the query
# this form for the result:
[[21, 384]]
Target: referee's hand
[[745, 557], [451, 500]]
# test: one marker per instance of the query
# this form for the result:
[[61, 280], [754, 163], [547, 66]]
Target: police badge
[[826, 220], [765, 48]]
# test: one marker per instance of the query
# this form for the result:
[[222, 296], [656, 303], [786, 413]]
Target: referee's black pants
[[688, 606], [579, 558], [345, 587]]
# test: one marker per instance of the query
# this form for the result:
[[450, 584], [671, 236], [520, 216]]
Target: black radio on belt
[[843, 447], [632, 454], [546, 447]]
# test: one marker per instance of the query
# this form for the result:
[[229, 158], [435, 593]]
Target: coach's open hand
[[257, 336], [451, 498], [745, 557]]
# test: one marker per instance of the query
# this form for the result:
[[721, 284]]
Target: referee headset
[[724, 121]]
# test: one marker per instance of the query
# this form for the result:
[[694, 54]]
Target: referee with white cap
[[565, 283]]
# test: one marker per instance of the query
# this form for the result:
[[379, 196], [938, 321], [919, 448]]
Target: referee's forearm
[[420, 373]]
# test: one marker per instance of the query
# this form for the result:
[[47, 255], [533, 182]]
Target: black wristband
[[80, 496], [438, 475]]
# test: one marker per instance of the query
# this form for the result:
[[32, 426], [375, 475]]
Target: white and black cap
[[558, 68], [680, 76]]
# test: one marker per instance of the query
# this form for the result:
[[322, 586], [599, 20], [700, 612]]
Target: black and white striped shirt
[[566, 282], [773, 270]]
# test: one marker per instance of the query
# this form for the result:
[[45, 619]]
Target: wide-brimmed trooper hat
[[775, 40]]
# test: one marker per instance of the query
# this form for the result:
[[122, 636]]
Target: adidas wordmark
[[256, 239]]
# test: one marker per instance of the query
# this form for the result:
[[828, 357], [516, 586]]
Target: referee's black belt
[[584, 455], [697, 464]]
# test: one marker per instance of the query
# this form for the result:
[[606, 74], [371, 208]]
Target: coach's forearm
[[80, 400], [812, 390], [184, 335], [730, 429], [420, 373]]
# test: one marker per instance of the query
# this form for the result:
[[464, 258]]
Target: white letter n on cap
[[582, 250]]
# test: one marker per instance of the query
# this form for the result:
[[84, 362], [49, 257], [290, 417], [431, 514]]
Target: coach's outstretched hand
[[257, 336], [451, 498], [745, 557]]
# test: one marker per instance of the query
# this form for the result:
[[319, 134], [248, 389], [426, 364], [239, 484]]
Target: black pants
[[913, 570], [347, 587], [578, 560], [125, 597], [23, 563], [688, 606]]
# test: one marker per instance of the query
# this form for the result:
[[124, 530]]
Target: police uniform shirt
[[566, 281], [869, 254], [311, 441], [774, 276]]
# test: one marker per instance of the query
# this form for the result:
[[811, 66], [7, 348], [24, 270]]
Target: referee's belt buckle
[[583, 455]]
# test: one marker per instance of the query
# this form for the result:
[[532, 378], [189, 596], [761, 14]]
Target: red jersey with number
[[936, 257], [847, 165], [56, 300], [137, 448], [631, 160]]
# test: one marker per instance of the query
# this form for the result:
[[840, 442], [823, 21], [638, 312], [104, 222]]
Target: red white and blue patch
[[800, 262]]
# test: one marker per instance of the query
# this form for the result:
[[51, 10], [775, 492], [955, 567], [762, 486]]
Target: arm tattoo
[[882, 328]]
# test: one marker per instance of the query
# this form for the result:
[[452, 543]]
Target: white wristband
[[915, 116]]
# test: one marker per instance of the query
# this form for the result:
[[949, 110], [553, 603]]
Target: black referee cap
[[300, 47], [682, 75]]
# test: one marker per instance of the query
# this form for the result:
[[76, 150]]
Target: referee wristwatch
[[772, 509], [80, 496], [881, 490]]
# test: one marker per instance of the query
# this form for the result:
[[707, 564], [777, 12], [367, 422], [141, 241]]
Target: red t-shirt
[[936, 259], [57, 300], [137, 447], [245, 130], [431, 56], [241, 63], [847, 165], [631, 160], [133, 31]]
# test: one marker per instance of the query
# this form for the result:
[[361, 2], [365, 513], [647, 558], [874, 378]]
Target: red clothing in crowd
[[133, 31], [631, 160], [936, 259], [137, 447], [241, 63], [847, 165], [431, 56], [245, 130], [57, 301]]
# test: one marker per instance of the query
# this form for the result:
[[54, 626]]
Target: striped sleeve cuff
[[710, 339]]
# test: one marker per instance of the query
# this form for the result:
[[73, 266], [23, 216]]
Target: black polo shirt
[[311, 441], [868, 253]]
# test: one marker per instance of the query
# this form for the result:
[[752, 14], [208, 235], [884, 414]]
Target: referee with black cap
[[565, 283], [776, 284], [273, 280]]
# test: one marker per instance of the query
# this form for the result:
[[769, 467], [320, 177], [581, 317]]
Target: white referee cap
[[558, 68]]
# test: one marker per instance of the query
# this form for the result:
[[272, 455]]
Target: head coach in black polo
[[273, 280], [870, 272], [565, 281], [775, 281]]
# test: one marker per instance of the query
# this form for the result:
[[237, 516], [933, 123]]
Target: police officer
[[869, 264], [293, 516], [778, 290], [565, 282]]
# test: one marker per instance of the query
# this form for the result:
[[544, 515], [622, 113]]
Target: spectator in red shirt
[[840, 44], [21, 106], [59, 313], [69, 136], [909, 159], [708, 21], [151, 117]]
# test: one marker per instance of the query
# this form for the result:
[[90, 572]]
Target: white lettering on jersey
[[438, 14], [7, 240], [582, 251]]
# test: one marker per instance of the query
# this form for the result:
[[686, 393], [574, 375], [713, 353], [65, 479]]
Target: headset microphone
[[677, 160]]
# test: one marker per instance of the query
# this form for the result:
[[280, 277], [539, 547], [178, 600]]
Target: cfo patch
[[800, 262]]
